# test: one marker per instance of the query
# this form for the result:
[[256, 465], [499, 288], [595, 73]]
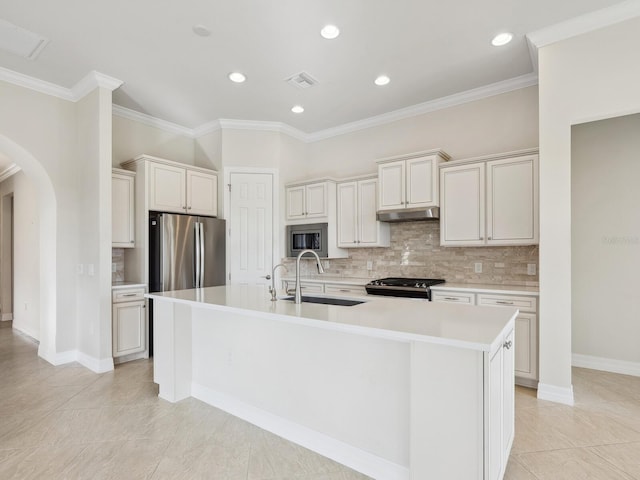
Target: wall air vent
[[302, 80], [17, 40]]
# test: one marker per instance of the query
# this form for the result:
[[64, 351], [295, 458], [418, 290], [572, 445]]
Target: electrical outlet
[[113, 268], [531, 269], [369, 265], [326, 264], [478, 267]]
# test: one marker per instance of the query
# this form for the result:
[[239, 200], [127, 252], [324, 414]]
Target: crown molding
[[207, 128], [263, 126], [35, 84], [150, 121], [579, 25], [9, 171], [93, 80], [428, 107]]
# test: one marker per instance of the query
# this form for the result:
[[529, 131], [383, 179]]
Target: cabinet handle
[[184, 207], [131, 241], [481, 238], [502, 302], [129, 294], [188, 208], [453, 299], [343, 290], [507, 344], [354, 241], [488, 238], [144, 306], [358, 241]]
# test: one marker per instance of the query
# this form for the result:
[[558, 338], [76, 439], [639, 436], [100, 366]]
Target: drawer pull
[[130, 294], [343, 290], [508, 344], [503, 302], [454, 299]]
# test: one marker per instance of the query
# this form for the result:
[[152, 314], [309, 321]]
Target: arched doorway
[[47, 211]]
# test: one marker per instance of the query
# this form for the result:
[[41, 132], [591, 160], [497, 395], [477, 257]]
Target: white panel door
[[392, 185], [167, 188], [316, 198], [462, 205], [512, 201], [202, 193], [347, 214], [421, 185], [250, 239], [368, 225]]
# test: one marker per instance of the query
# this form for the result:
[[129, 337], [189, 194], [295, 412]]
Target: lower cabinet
[[323, 287], [129, 323], [526, 328]]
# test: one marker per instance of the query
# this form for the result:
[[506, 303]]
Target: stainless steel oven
[[311, 236]]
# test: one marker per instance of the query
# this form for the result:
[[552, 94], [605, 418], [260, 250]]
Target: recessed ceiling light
[[237, 77], [201, 30], [297, 109], [330, 32], [382, 80], [502, 39]]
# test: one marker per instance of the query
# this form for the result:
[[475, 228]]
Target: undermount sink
[[345, 302]]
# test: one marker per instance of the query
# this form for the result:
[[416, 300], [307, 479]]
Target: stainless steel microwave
[[312, 236]]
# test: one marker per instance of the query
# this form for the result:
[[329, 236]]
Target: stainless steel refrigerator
[[185, 252]]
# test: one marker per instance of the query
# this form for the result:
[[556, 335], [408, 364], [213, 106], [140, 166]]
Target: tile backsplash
[[117, 258], [415, 251]]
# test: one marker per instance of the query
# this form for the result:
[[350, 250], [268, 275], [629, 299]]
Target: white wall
[[26, 314], [585, 78], [605, 232], [131, 138], [495, 124]]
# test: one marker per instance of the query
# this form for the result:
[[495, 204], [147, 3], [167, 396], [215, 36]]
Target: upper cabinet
[[357, 223], [182, 189], [175, 187], [308, 201], [410, 181], [122, 210], [490, 200]]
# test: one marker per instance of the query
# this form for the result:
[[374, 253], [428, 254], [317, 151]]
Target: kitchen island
[[394, 388]]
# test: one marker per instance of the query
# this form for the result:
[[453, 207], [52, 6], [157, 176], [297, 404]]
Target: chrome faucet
[[298, 297], [272, 288]]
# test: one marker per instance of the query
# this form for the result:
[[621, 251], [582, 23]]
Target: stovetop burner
[[403, 287]]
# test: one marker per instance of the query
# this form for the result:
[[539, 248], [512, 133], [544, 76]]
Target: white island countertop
[[410, 320]]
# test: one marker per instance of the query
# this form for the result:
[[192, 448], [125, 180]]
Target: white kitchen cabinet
[[179, 189], [410, 181], [309, 201], [454, 297], [526, 333], [490, 201], [340, 289], [122, 210], [357, 223], [129, 323]]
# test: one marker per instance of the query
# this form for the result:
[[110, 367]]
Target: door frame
[[276, 220]]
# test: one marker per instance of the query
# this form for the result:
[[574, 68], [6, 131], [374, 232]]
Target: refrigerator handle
[[202, 250], [197, 252]]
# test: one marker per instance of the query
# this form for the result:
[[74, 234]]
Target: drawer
[[525, 304], [454, 297], [344, 289], [128, 295]]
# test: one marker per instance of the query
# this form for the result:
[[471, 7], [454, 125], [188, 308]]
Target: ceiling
[[430, 49]]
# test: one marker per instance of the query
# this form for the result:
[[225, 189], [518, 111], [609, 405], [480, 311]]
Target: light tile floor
[[69, 423]]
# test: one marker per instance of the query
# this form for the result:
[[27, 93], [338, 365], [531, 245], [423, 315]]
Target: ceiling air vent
[[19, 41], [302, 80]]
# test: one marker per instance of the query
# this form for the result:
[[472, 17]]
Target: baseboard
[[25, 331], [98, 365], [94, 364], [526, 382], [555, 394], [606, 364], [131, 357], [6, 317], [355, 458]]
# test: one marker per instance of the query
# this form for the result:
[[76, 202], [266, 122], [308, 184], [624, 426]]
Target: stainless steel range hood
[[409, 214]]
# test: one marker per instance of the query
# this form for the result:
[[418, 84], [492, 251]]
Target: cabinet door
[[512, 201], [422, 187], [202, 193], [462, 204], [370, 232], [167, 188], [316, 200], [392, 185], [296, 203], [508, 397], [347, 214], [128, 328], [122, 213], [526, 342]]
